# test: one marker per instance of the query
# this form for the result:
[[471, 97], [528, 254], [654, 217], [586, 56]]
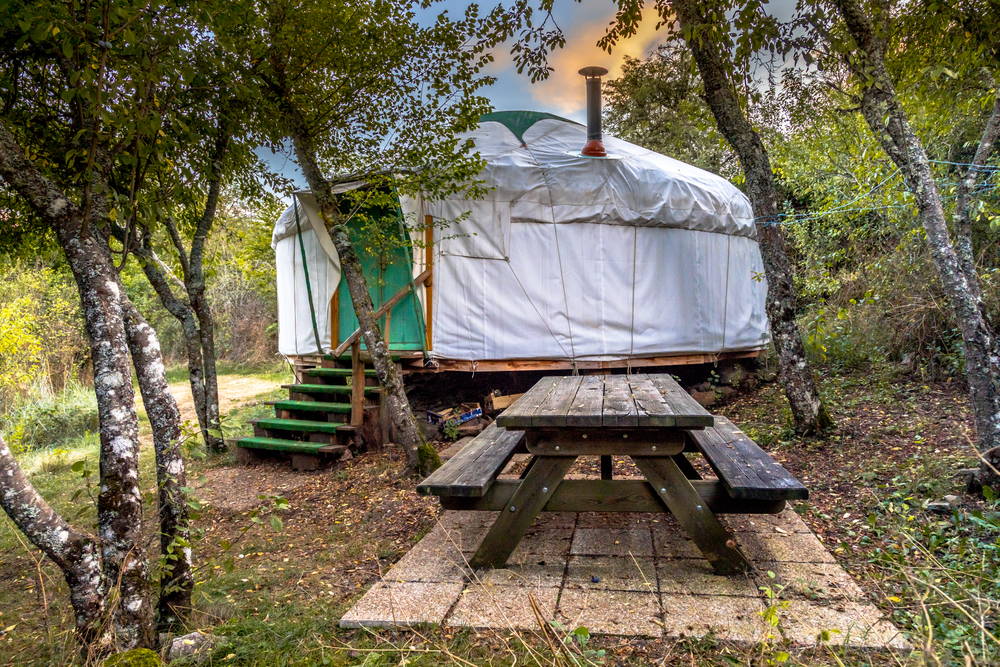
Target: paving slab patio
[[632, 575]]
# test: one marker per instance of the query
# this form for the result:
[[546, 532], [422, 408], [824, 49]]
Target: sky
[[564, 93]]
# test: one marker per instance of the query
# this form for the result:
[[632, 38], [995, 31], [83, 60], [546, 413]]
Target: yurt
[[627, 259]]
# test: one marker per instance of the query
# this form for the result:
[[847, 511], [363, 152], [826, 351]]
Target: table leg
[[515, 519], [606, 466], [685, 503]]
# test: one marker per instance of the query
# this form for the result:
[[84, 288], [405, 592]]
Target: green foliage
[[42, 344], [138, 657], [941, 571], [450, 430], [50, 419]]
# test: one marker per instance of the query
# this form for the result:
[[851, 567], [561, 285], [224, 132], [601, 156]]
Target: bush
[[50, 418], [42, 341]]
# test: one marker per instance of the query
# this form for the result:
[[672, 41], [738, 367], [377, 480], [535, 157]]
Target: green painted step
[[326, 389], [313, 406], [297, 425], [336, 372], [274, 444]]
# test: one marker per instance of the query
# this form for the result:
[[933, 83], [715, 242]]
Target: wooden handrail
[[383, 309]]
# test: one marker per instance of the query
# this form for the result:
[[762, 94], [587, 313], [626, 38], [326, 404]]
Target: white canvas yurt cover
[[567, 258]]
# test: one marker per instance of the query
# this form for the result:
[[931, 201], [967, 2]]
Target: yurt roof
[[533, 161]]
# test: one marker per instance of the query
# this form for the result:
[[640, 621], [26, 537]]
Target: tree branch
[[963, 223]]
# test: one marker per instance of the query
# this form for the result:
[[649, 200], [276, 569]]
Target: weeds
[[51, 419]]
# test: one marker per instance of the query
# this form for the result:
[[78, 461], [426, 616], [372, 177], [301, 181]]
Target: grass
[[50, 419]]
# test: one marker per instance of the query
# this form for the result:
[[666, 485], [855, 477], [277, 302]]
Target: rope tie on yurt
[[305, 271]]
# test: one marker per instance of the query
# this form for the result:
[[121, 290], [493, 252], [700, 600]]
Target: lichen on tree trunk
[[177, 581], [124, 570], [76, 553]]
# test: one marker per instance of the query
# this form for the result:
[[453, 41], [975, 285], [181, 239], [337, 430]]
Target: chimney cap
[[593, 72]]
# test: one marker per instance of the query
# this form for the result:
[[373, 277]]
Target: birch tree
[[86, 92], [863, 40], [362, 92]]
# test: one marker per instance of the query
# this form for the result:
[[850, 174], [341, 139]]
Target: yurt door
[[387, 272]]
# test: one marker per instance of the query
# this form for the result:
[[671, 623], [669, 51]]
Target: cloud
[[565, 90]]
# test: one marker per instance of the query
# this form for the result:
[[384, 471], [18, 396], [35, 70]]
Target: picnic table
[[646, 417]]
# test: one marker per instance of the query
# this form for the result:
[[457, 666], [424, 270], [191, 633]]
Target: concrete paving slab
[[465, 538], [617, 519], [731, 618], [791, 547], [814, 581], [506, 607], [611, 573], [611, 612], [389, 604], [428, 562], [452, 519], [550, 520], [786, 521], [696, 576], [672, 596], [858, 624], [546, 573], [673, 542], [543, 542], [612, 542]]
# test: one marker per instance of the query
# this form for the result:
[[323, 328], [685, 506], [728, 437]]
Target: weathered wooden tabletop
[[612, 401], [645, 417]]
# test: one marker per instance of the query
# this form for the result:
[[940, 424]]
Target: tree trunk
[[421, 457], [184, 314], [890, 126], [177, 580], [963, 219], [194, 282], [119, 502], [75, 553], [206, 331], [795, 373]]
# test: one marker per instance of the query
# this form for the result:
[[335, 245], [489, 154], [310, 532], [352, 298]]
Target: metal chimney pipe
[[595, 145]]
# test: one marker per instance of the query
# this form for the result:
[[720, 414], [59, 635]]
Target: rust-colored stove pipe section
[[595, 145]]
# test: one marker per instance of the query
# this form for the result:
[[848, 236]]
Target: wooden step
[[313, 406], [326, 389], [336, 372], [301, 425], [290, 446]]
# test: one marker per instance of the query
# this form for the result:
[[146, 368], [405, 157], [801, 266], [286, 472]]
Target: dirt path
[[234, 390]]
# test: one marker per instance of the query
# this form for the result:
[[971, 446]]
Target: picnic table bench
[[647, 417]]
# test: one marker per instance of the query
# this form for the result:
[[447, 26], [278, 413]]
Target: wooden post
[[357, 385], [385, 333], [429, 284], [335, 319]]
